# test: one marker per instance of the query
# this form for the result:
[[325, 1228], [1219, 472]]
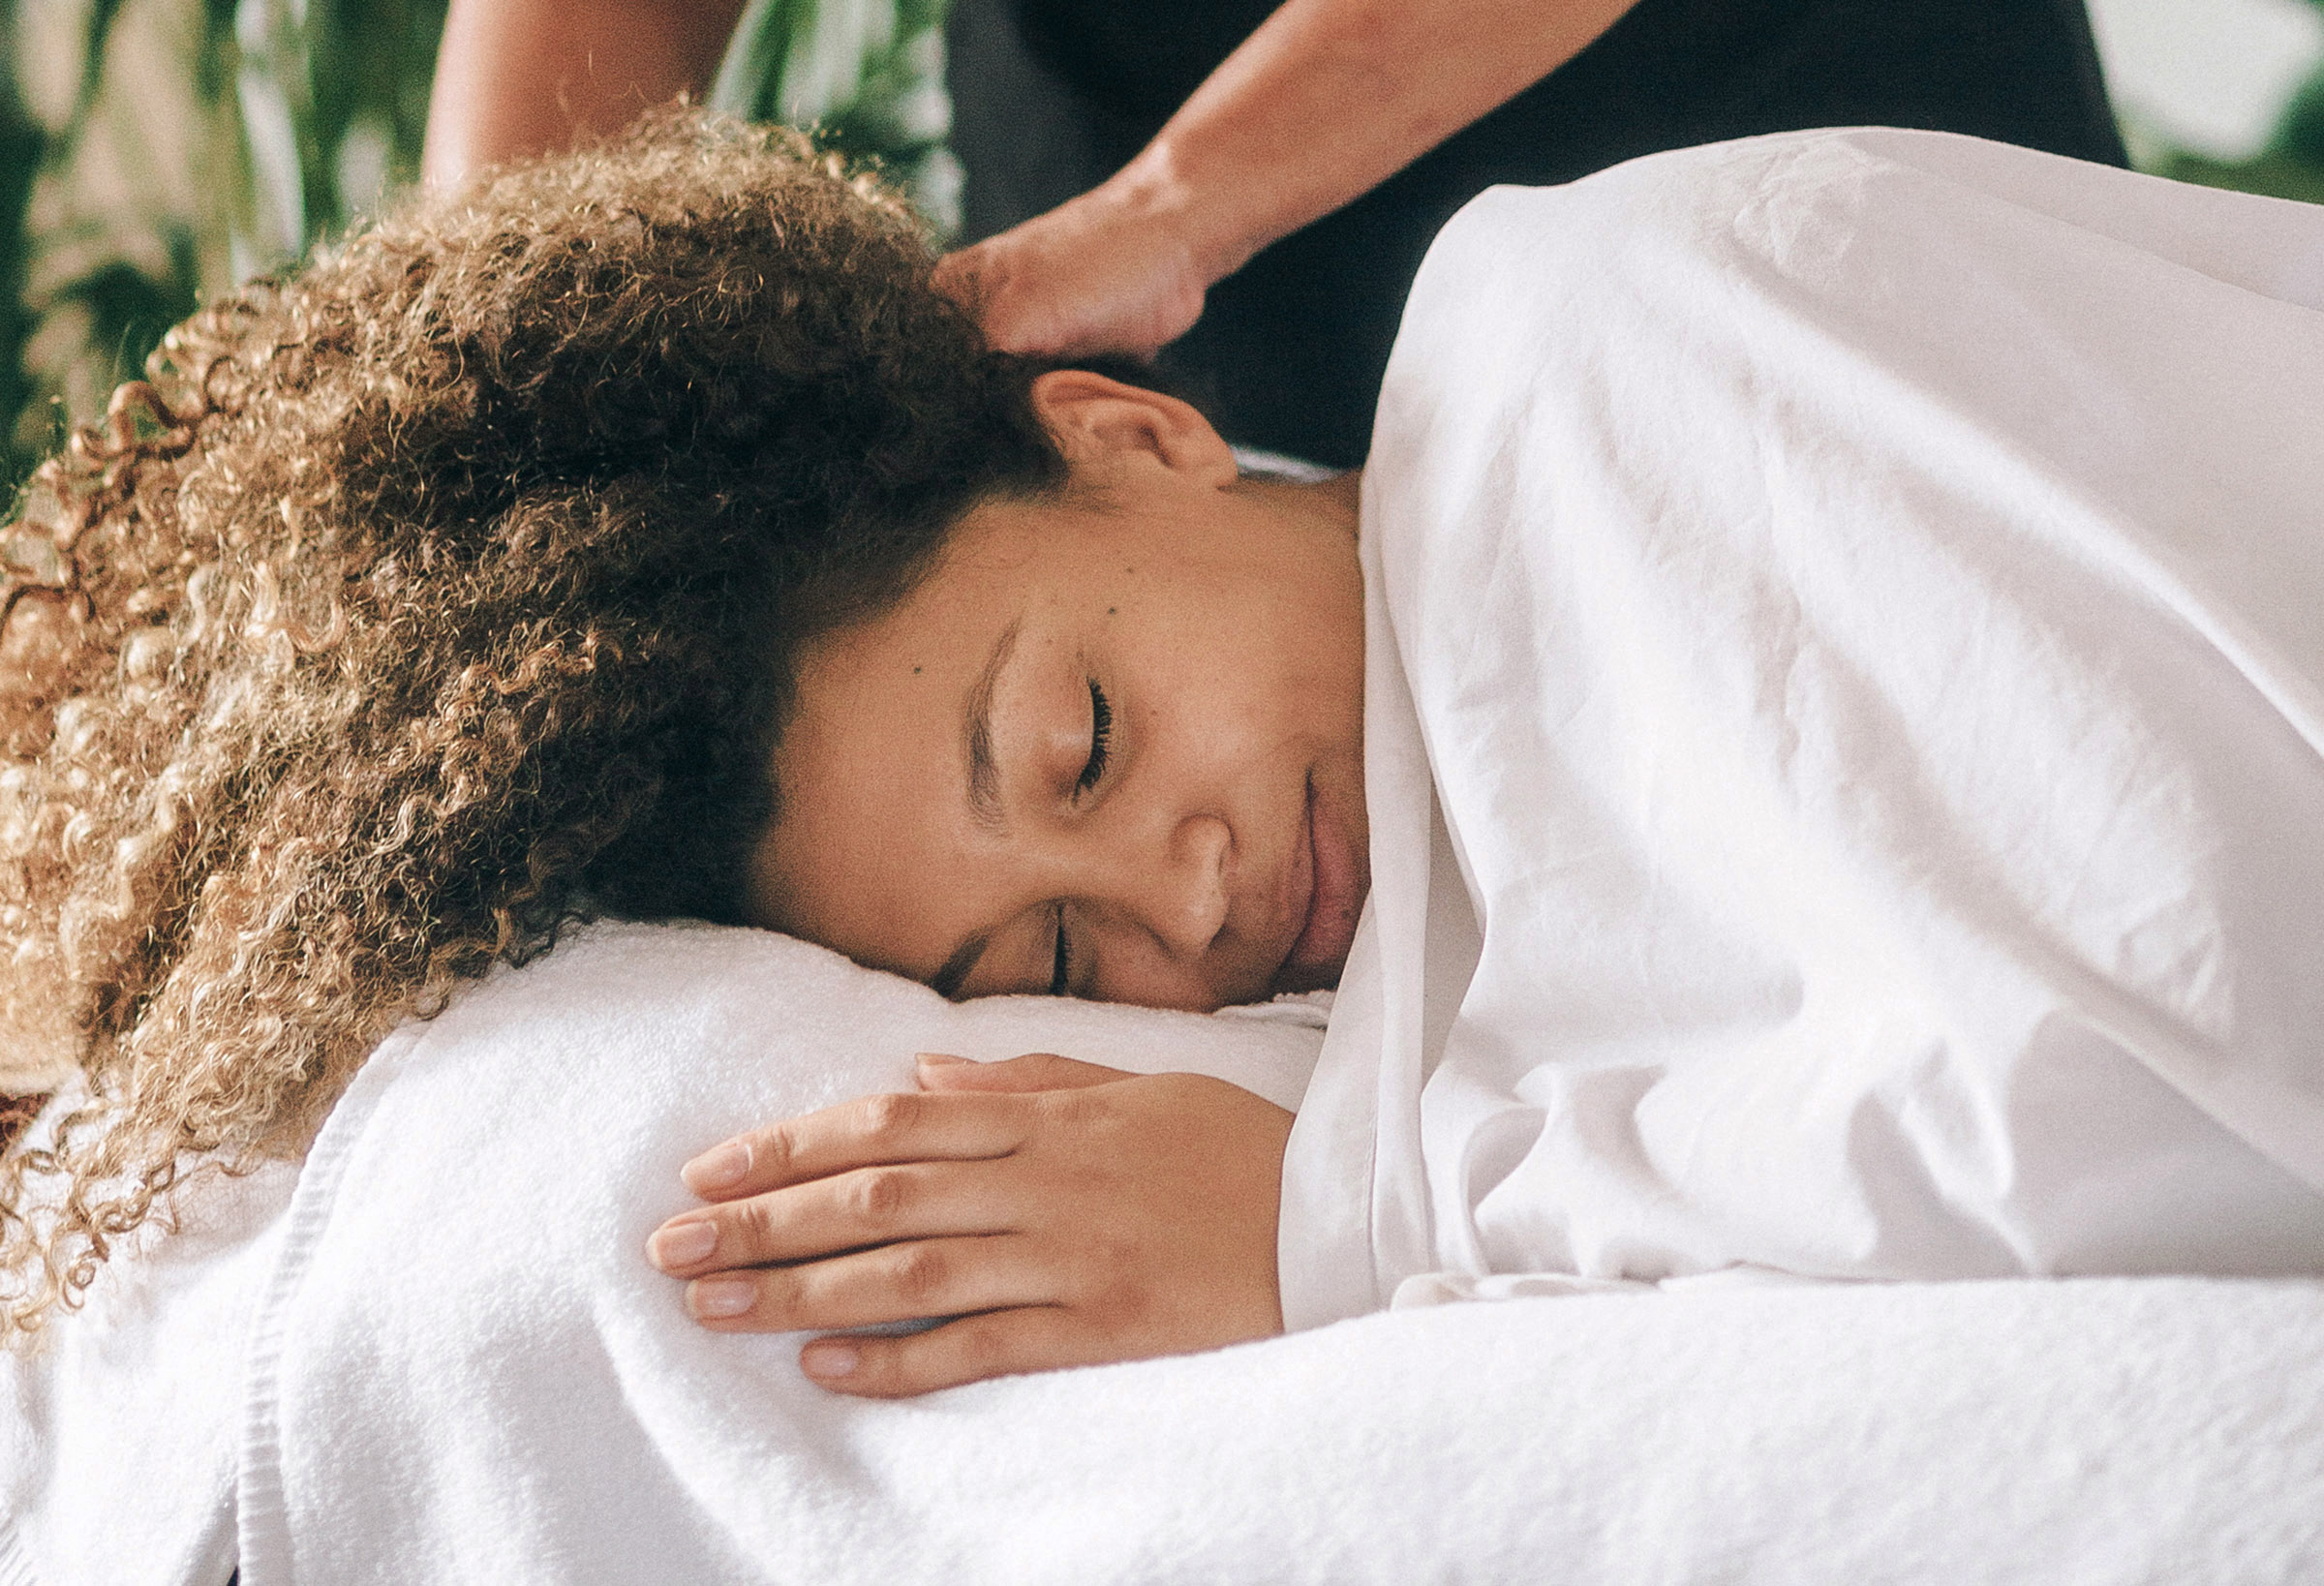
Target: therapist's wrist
[[1217, 228]]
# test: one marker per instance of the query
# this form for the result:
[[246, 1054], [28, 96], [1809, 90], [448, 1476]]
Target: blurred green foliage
[[156, 151], [868, 74], [152, 151], [2290, 167]]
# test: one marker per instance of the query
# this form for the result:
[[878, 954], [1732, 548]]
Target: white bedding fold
[[1855, 601], [118, 1438]]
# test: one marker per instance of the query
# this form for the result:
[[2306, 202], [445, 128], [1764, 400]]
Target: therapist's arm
[[1326, 101], [519, 77]]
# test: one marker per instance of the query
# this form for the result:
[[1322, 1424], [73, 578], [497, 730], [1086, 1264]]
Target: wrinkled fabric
[[1842, 727], [453, 1365]]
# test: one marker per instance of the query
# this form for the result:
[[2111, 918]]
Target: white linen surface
[[463, 1370], [118, 1439], [526, 1141], [1852, 605]]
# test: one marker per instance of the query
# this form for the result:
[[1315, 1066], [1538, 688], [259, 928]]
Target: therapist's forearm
[[519, 77], [1330, 98]]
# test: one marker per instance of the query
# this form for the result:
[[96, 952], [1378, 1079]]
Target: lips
[[1335, 887]]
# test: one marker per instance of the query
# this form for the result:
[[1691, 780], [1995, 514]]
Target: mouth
[[1335, 887]]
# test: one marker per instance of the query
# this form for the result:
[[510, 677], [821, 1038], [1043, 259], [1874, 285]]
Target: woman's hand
[[1113, 272], [1063, 1213]]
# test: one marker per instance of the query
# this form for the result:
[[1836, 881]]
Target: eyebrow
[[984, 775], [983, 797]]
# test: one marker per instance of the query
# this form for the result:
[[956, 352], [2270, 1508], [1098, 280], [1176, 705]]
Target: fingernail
[[716, 1168], [721, 1297], [827, 1358], [941, 1059], [682, 1245]]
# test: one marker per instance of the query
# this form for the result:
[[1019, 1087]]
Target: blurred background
[[153, 152]]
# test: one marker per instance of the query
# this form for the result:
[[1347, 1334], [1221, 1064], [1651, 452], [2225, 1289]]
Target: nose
[[1181, 894]]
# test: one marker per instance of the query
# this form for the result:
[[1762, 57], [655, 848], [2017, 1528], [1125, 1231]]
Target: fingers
[[969, 276], [1094, 275], [893, 1283], [1035, 1070], [898, 1127], [996, 1344], [845, 1211]]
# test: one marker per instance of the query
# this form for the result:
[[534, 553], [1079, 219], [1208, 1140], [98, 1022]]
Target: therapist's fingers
[[906, 1127], [1103, 273], [842, 1212], [996, 1344], [895, 1283]]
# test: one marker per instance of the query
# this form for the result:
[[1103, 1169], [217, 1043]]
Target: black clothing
[[1049, 97]]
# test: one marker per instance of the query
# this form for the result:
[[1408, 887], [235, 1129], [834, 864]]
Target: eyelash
[[1101, 736], [1060, 980]]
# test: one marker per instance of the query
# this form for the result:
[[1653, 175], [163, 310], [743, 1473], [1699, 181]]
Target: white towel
[[119, 1440], [462, 1371]]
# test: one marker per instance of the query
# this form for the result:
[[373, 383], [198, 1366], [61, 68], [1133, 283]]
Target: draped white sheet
[[1851, 604]]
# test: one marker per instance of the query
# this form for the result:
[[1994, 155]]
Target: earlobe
[[1103, 422]]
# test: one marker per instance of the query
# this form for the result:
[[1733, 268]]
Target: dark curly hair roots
[[434, 598]]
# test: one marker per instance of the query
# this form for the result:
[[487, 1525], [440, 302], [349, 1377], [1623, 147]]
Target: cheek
[[1132, 973]]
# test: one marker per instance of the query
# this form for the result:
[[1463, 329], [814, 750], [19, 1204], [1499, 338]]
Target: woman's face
[[1111, 747]]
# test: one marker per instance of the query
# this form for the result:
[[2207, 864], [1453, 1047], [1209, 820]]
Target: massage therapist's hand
[[1063, 1213], [1112, 271]]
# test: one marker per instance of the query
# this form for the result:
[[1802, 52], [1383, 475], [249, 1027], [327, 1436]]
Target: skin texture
[[1328, 99], [1067, 1215], [1064, 1214], [520, 78], [1174, 731]]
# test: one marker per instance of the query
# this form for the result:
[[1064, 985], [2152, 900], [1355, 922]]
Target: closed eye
[[1061, 978], [1101, 735]]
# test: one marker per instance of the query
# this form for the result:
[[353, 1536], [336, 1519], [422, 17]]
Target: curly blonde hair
[[435, 598]]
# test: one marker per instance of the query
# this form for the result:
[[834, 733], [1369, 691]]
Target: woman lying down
[[1800, 753]]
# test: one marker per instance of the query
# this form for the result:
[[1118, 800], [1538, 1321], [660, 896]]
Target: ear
[[1103, 424]]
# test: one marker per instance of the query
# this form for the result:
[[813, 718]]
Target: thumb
[[1035, 1070]]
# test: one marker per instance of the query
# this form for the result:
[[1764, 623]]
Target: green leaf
[[96, 35], [749, 79], [130, 309]]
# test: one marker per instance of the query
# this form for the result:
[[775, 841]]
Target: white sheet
[[462, 1370], [1857, 599]]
